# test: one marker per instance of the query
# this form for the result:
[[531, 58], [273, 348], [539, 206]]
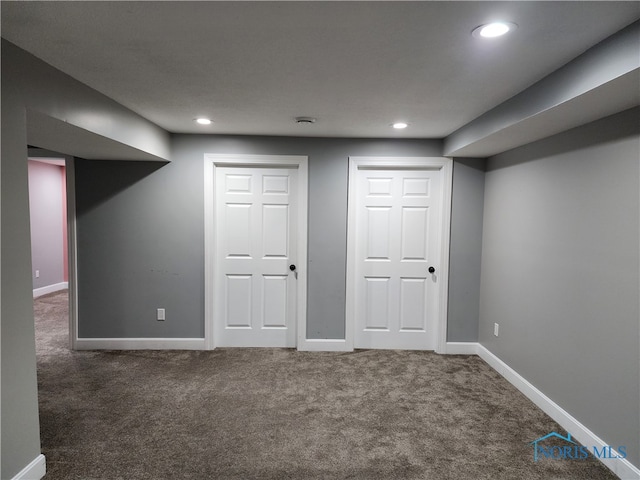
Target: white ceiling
[[356, 66]]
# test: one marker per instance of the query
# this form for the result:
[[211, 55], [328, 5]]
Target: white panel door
[[255, 292], [397, 241]]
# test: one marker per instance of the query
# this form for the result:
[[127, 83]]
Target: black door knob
[[432, 270], [292, 267]]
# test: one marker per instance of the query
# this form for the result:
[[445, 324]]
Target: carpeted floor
[[282, 414]]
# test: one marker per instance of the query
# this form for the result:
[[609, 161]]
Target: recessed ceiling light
[[492, 30], [400, 125], [202, 121]]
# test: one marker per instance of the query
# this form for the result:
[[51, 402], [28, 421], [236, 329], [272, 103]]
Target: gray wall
[[560, 272], [20, 426], [29, 85], [465, 249], [144, 225], [47, 210]]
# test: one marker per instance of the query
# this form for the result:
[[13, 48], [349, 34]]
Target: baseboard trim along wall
[[461, 348], [323, 345], [34, 471], [621, 467], [340, 345], [56, 287], [139, 344]]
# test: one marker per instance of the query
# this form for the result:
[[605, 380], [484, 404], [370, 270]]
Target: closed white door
[[398, 215], [254, 288]]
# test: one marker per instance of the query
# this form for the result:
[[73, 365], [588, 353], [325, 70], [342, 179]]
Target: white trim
[[446, 166], [323, 345], [140, 344], [209, 251], [56, 287], [445, 242], [621, 467], [460, 348], [34, 471], [211, 161]]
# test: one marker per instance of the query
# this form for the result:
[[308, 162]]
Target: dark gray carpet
[[282, 414]]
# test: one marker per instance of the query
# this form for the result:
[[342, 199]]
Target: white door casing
[[255, 228], [398, 227]]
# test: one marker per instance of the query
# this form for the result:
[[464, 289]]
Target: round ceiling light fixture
[[493, 30], [400, 125], [202, 121]]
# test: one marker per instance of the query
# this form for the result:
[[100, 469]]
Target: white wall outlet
[[160, 314], [37, 273], [496, 329]]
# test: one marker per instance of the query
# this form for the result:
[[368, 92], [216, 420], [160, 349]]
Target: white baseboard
[[323, 345], [460, 348], [621, 467], [38, 292], [308, 345], [139, 344], [34, 471], [340, 345]]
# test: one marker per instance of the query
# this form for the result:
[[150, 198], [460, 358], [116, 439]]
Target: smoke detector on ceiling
[[305, 120]]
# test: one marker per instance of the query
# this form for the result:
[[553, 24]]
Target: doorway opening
[[52, 222]]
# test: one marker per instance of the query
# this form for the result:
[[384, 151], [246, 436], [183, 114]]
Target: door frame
[[212, 162], [445, 165]]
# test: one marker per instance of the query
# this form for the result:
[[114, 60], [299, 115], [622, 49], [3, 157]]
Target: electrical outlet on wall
[[37, 273], [496, 329], [160, 314]]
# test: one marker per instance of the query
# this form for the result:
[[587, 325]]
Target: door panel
[[238, 300], [415, 242], [397, 229], [275, 231], [378, 233], [238, 230], [255, 292], [412, 304], [377, 303], [274, 298]]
